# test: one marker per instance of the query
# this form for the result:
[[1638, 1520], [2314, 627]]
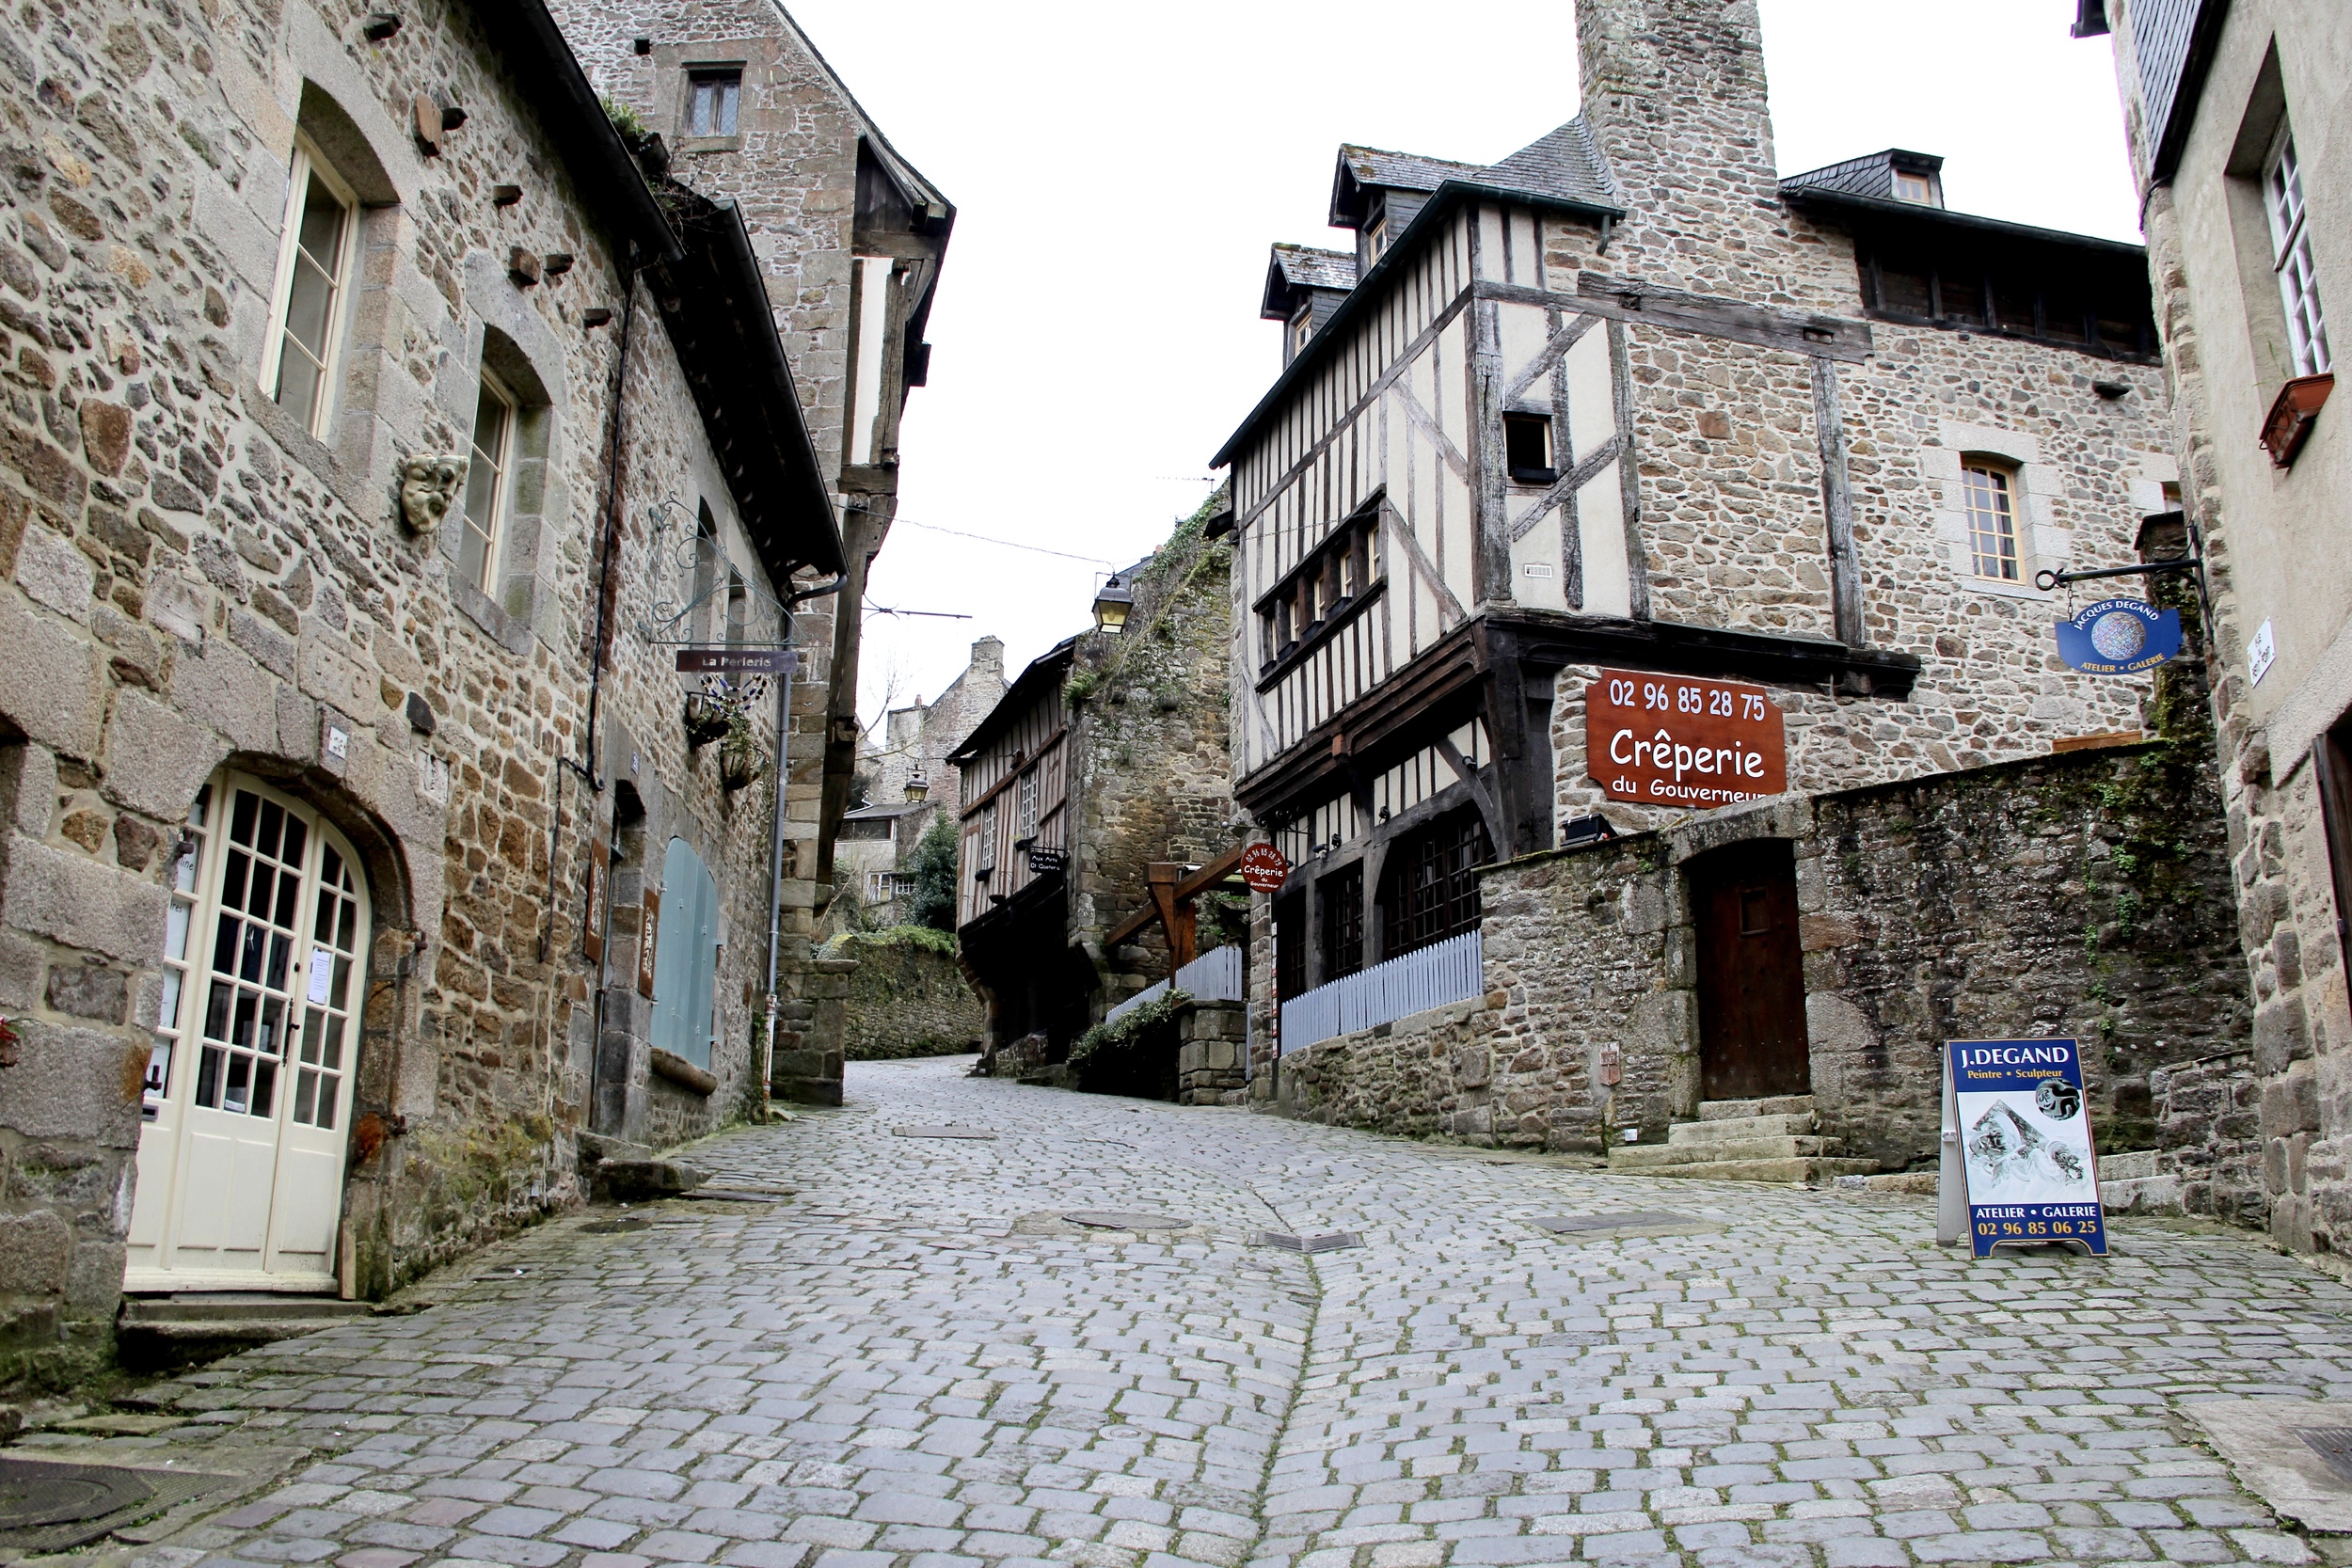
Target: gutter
[[1814, 195]]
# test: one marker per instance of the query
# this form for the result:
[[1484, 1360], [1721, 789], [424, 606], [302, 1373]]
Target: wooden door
[[1752, 1039]]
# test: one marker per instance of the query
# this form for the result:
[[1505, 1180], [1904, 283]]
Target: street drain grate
[[733, 1195], [1098, 1219], [942, 1132], [1635, 1219], [1328, 1241], [48, 1507], [614, 1227], [2332, 1444]]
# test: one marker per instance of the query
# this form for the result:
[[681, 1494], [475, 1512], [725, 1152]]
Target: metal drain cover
[[2332, 1444], [1328, 1241], [1571, 1225], [1108, 1220], [47, 1507], [613, 1227], [942, 1132]]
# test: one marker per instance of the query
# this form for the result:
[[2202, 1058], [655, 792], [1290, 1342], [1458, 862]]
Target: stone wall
[[189, 579], [1150, 771], [2082, 894], [907, 997]]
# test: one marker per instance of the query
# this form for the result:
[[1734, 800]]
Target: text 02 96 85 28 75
[[1679, 740]]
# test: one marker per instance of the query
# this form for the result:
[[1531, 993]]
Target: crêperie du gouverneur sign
[[1676, 740]]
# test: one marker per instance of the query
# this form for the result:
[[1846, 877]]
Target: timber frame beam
[[1179, 890]]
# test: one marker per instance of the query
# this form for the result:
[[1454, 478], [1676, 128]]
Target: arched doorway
[[1751, 972], [250, 1084]]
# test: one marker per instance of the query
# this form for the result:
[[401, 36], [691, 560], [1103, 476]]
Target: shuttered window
[[686, 957]]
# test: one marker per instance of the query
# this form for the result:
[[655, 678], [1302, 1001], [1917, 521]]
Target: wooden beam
[[1184, 892], [1555, 349], [1845, 566], [1492, 554]]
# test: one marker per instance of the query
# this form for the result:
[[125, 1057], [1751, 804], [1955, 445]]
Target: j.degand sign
[[1677, 741]]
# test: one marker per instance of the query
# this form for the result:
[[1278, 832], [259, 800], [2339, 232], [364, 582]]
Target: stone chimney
[[987, 656], [1673, 92]]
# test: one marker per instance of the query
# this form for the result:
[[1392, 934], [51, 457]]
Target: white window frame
[[510, 410], [306, 162], [2285, 209], [1925, 193], [2010, 489]]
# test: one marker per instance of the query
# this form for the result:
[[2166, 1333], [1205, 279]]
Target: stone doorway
[[1751, 972]]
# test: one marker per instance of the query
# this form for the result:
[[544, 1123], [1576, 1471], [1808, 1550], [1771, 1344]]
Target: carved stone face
[[427, 487]]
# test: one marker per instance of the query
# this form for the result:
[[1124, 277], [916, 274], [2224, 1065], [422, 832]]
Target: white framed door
[[249, 1082]]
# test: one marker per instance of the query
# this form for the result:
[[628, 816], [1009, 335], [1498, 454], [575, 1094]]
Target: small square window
[[712, 98], [1527, 448], [1911, 185]]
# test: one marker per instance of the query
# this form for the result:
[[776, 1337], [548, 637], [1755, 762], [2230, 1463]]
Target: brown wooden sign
[[648, 933], [599, 880], [1264, 868], [1676, 740]]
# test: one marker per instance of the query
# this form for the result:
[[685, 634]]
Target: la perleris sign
[[1677, 741]]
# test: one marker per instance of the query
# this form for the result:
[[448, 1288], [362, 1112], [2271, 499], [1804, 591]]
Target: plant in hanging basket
[[739, 766], [706, 718], [2288, 425]]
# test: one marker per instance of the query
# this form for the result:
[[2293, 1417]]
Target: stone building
[[910, 781], [2234, 115], [1628, 437], [1109, 752], [371, 427], [850, 237]]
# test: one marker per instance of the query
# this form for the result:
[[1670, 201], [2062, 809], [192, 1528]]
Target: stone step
[[1736, 1110], [1646, 1156], [1708, 1133], [1790, 1172], [216, 1307]]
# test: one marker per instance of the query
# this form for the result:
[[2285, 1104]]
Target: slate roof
[[1566, 164], [1400, 172], [1305, 267], [1872, 174]]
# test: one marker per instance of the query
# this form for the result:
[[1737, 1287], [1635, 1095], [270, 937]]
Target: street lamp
[[918, 789], [1111, 603]]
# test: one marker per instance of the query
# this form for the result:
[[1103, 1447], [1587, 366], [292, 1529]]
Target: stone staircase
[[1744, 1140], [166, 1332]]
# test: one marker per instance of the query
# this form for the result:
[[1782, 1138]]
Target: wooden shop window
[[1343, 896], [1430, 889]]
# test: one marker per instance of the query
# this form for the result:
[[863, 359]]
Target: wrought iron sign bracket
[[2047, 580], [681, 555]]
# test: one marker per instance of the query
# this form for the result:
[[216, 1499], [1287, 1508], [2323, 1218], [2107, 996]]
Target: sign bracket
[[2046, 580]]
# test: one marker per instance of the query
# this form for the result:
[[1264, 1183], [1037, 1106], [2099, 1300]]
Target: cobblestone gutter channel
[[920, 1360]]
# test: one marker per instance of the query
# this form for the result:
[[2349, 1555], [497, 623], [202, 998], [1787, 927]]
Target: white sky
[[1119, 169]]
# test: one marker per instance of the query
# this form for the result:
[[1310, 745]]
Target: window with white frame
[[487, 478], [313, 277], [1989, 494], [2291, 255]]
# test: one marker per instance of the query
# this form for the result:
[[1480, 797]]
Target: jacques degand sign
[[1676, 740]]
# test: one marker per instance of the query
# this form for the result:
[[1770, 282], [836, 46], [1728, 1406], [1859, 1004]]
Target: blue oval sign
[[2120, 637]]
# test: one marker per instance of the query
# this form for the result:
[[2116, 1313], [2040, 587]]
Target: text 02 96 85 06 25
[[1677, 741]]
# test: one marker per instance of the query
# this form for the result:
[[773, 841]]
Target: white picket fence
[[1448, 971], [1213, 976]]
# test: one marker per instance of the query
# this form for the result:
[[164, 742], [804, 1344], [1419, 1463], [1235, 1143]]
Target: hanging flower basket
[[740, 768], [708, 716]]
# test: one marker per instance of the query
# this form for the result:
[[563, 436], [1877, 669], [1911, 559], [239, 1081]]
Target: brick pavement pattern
[[915, 1362]]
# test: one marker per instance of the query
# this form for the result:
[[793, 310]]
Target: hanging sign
[[2120, 637], [1044, 859], [599, 880], [1676, 740], [737, 661], [1263, 869], [648, 936], [2025, 1138]]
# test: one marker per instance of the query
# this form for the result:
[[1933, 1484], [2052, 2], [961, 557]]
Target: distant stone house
[[910, 781], [1626, 433], [371, 429], [850, 238], [1107, 755]]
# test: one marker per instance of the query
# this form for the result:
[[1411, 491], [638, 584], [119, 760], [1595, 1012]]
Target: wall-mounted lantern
[[1112, 601], [918, 790]]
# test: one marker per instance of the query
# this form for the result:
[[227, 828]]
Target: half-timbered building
[[1627, 414]]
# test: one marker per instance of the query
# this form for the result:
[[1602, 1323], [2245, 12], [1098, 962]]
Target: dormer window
[[1376, 237], [1302, 329], [1912, 185]]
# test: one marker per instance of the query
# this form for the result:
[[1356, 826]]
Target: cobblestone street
[[917, 1360]]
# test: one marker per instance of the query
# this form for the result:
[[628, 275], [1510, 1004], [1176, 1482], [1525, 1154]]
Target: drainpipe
[[775, 834]]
